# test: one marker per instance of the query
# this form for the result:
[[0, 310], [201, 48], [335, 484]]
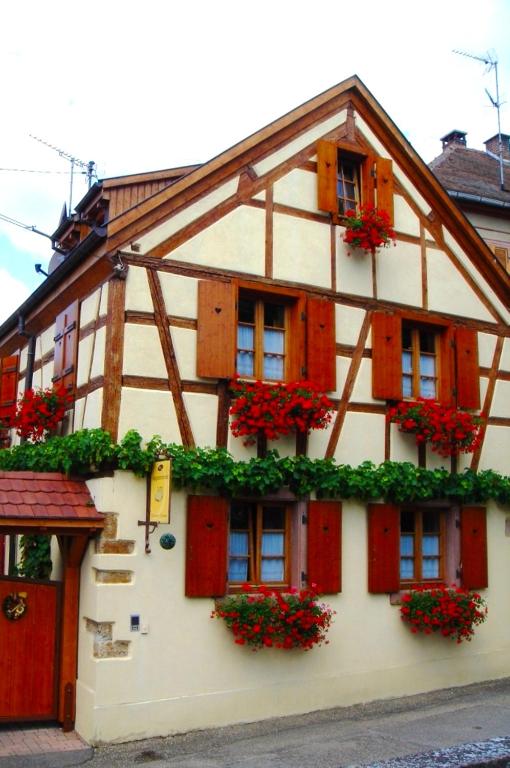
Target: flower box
[[265, 618], [368, 229], [39, 412], [448, 431], [450, 611], [268, 410]]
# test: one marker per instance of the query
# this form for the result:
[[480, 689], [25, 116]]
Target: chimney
[[454, 137], [492, 146]]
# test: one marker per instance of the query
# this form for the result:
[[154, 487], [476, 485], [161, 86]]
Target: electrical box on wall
[[134, 622]]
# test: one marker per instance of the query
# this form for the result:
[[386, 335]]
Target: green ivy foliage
[[215, 470], [35, 562]]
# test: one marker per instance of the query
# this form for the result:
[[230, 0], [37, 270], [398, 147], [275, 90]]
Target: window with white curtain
[[261, 338]]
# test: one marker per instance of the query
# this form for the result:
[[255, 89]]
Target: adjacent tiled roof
[[472, 172], [45, 496]]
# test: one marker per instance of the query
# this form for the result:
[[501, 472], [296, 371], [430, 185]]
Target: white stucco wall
[[185, 672]]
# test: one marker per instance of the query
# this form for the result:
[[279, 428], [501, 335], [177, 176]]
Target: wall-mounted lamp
[[40, 271]]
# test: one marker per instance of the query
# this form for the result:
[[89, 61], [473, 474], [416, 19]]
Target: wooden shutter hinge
[[303, 576], [304, 520], [303, 316], [303, 371], [457, 523]]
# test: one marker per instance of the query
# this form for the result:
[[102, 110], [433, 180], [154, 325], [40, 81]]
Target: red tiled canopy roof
[[47, 497]]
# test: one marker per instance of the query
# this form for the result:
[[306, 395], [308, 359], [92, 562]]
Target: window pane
[[237, 570], [427, 342], [273, 543], [246, 311], [428, 388], [407, 362], [273, 341], [427, 365], [274, 315], [407, 546], [245, 357], [245, 336], [272, 570], [430, 545], [430, 568], [431, 520], [273, 368], [238, 543], [407, 386], [239, 516], [406, 568], [245, 365], [273, 518], [406, 338], [407, 521]]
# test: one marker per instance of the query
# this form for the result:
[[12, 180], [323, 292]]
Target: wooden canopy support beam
[[73, 549]]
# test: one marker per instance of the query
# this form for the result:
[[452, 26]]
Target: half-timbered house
[[169, 284]]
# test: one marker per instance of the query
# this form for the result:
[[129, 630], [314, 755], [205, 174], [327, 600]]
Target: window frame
[[387, 348], [315, 553], [260, 301], [465, 547], [255, 532], [357, 162], [311, 343], [415, 329], [375, 177], [418, 578]]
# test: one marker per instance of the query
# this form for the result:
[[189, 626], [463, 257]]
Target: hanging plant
[[368, 229], [264, 618], [451, 611], [448, 430], [39, 412], [271, 410]]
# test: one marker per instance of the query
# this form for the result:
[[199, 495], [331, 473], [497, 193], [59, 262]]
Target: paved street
[[352, 736]]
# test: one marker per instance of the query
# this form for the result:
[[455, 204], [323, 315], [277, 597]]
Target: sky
[[144, 86]]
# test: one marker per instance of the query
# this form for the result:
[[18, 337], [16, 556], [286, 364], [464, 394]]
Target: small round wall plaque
[[167, 541], [14, 606]]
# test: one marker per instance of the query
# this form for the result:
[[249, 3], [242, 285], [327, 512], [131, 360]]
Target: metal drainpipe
[[29, 375]]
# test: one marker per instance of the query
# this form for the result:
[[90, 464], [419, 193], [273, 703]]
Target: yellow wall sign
[[161, 481]]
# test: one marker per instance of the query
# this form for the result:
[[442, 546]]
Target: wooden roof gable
[[140, 219]]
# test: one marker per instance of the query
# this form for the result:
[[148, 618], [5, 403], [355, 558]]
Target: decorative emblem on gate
[[14, 605]]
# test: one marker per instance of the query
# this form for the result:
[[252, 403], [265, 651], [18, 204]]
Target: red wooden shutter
[[58, 356], [324, 546], [206, 546], [446, 367], [216, 336], [468, 374], [473, 547], [384, 176], [70, 348], [2, 555], [66, 348], [327, 154], [8, 388], [368, 180], [386, 356], [383, 548], [321, 343]]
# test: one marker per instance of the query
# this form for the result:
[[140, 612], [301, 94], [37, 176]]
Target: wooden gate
[[29, 612]]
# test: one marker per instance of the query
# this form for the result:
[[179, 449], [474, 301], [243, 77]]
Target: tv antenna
[[491, 62], [89, 168]]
